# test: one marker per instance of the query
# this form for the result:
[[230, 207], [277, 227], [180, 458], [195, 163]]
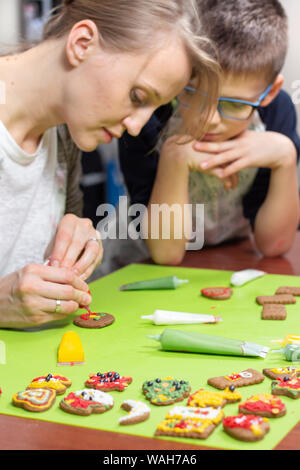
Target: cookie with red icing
[[239, 379], [288, 386], [86, 402], [94, 320], [248, 428], [217, 293], [108, 381], [263, 404], [40, 399], [55, 382]]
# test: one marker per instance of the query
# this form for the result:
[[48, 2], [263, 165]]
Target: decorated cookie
[[263, 404], [40, 399], [85, 402], [288, 386], [108, 381], [240, 379], [185, 421], [273, 312], [166, 391], [276, 299], [246, 427], [138, 412], [203, 398], [94, 320], [217, 293], [281, 372], [288, 290], [58, 383]]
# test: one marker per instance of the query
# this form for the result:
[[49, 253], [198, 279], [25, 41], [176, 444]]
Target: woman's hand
[[77, 246], [39, 294]]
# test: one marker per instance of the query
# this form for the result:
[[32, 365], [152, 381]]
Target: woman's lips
[[108, 137]]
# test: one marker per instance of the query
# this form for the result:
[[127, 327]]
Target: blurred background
[[101, 179]]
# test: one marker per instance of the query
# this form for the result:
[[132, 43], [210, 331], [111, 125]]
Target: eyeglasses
[[229, 108]]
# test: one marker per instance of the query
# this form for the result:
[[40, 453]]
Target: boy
[[244, 169]]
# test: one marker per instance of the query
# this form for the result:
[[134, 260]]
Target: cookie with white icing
[[138, 412], [85, 402], [40, 399]]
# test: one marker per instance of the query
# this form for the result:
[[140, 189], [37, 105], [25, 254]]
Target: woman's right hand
[[38, 294]]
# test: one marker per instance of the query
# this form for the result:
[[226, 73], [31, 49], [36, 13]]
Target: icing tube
[[242, 277], [183, 341], [170, 282], [166, 317]]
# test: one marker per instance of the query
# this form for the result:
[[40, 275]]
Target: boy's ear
[[276, 87]]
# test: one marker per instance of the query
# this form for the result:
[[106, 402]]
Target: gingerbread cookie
[[276, 299], [281, 372], [240, 379], [288, 290], [58, 383], [288, 386], [248, 428], [108, 381], [273, 312], [85, 402], [185, 421], [138, 412], [166, 391], [263, 404], [40, 399], [203, 398], [217, 293], [94, 320]]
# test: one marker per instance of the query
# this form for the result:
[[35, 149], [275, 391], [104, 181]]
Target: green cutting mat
[[124, 347]]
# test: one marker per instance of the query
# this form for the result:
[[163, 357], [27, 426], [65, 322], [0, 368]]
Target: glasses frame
[[254, 105]]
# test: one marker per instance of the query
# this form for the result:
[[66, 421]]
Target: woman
[[102, 68]]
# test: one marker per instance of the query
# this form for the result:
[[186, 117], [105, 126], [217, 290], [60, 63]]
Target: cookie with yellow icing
[[203, 398], [248, 428], [58, 383], [186, 421], [281, 372], [263, 404], [37, 400], [166, 391], [94, 320]]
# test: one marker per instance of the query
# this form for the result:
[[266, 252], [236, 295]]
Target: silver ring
[[58, 306]]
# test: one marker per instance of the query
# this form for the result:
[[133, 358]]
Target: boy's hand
[[193, 158], [250, 149]]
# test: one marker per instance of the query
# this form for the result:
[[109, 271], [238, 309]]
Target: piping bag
[[183, 341], [166, 317], [170, 282]]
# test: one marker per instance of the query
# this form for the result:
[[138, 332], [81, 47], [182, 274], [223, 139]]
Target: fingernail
[[75, 271], [86, 300], [204, 165]]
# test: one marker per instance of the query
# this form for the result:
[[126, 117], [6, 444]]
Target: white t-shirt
[[32, 200]]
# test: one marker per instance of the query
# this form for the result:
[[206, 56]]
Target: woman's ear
[[276, 87], [82, 39]]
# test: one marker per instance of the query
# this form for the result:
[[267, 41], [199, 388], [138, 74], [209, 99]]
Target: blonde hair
[[131, 25]]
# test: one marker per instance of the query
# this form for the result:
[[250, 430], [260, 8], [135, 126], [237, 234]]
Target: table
[[32, 434]]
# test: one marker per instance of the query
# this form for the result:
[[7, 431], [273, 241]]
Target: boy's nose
[[215, 118]]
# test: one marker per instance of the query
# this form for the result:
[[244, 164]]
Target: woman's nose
[[136, 121]]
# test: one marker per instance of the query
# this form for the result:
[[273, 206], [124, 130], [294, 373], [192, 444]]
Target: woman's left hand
[[77, 246]]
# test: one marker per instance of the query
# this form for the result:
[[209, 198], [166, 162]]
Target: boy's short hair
[[251, 36]]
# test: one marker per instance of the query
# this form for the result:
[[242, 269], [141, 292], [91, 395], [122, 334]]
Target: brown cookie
[[281, 372], [166, 391], [264, 405], [240, 379], [138, 412], [185, 421], [217, 293], [273, 312], [288, 290], [276, 299], [203, 398], [94, 320], [248, 428], [288, 386], [85, 402], [40, 399], [55, 382]]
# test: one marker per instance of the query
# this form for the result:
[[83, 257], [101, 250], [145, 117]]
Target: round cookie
[[263, 404], [94, 320], [248, 428], [166, 391], [217, 293], [85, 402], [40, 399]]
